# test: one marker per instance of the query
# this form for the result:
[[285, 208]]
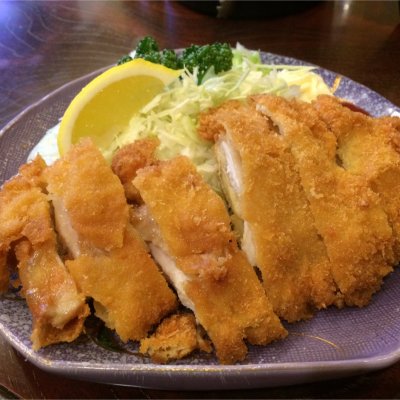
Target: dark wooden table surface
[[46, 44]]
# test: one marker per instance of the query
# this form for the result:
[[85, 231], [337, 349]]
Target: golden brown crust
[[233, 309], [175, 338], [211, 126], [366, 148], [394, 123], [91, 196], [32, 172], [24, 212], [129, 159], [58, 310], [24, 209], [193, 220], [93, 218], [44, 334], [348, 214], [130, 290], [195, 227], [289, 253]]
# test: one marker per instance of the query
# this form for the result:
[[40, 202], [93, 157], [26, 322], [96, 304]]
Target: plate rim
[[54, 92], [201, 372]]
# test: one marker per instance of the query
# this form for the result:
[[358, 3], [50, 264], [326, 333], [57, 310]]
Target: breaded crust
[[366, 148], [233, 309], [111, 263], [229, 301], [24, 209], [129, 159], [289, 252], [129, 291], [88, 198], [175, 338], [192, 218], [58, 310], [348, 214]]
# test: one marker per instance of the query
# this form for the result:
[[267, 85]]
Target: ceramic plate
[[333, 344]]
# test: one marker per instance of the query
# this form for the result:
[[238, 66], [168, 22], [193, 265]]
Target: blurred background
[[44, 44]]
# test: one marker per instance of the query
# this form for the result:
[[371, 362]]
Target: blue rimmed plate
[[333, 344]]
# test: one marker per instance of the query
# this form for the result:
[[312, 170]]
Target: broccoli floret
[[217, 55], [145, 46], [124, 59], [147, 49], [170, 59], [189, 57], [153, 56]]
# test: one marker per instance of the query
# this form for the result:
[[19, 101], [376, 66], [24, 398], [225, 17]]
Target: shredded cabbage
[[172, 116]]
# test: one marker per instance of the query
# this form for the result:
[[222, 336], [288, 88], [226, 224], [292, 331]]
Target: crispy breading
[[129, 159], [198, 232], [93, 218], [348, 214], [24, 210], [289, 252], [365, 147], [227, 298], [90, 207], [234, 308], [175, 338], [129, 292], [58, 310], [32, 172], [394, 122], [210, 126]]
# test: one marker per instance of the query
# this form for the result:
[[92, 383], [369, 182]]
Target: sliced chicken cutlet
[[347, 213], [176, 337], [58, 309], [366, 148], [93, 218], [197, 250], [129, 293], [24, 210], [263, 185], [91, 212], [129, 159]]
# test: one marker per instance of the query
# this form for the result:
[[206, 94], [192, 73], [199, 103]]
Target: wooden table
[[46, 44]]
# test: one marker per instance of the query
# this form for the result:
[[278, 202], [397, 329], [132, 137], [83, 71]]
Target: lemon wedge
[[104, 107]]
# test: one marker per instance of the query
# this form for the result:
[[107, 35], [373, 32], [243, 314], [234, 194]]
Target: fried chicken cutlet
[[263, 186], [198, 252], [176, 337], [366, 148], [130, 294], [58, 309], [110, 261], [129, 159], [348, 214], [91, 212]]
